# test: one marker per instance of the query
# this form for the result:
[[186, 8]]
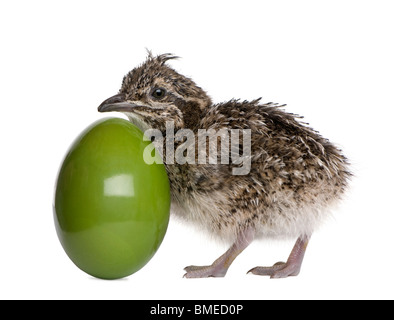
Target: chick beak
[[116, 103]]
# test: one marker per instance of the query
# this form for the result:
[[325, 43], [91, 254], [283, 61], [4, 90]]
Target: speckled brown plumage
[[296, 175]]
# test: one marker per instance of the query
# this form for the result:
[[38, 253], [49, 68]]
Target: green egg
[[111, 209]]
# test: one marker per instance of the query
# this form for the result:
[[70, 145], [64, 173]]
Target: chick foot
[[286, 269], [278, 270], [220, 266], [205, 271]]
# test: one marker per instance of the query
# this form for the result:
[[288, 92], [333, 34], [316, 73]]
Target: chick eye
[[158, 93]]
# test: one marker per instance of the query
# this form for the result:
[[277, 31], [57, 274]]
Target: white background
[[331, 61]]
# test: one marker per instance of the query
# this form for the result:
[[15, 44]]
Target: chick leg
[[285, 269], [220, 266]]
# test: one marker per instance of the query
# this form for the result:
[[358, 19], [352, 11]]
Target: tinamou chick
[[295, 174]]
